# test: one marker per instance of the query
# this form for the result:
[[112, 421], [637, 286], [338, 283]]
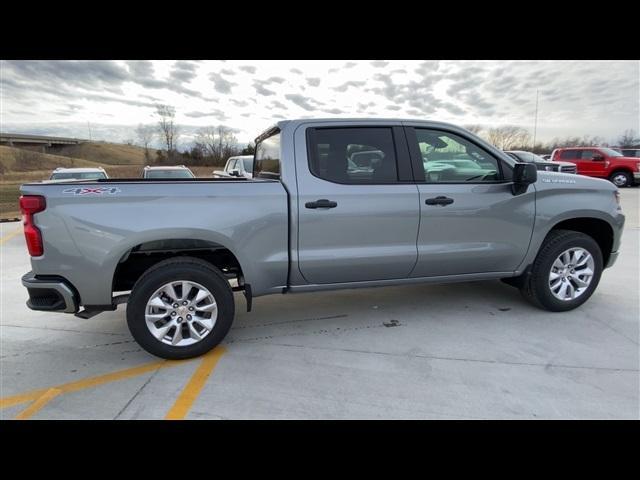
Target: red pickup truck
[[601, 162]]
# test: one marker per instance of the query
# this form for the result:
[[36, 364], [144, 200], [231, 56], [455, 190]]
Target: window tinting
[[570, 154], [77, 176], [267, 163], [248, 164], [181, 173], [447, 157], [353, 155]]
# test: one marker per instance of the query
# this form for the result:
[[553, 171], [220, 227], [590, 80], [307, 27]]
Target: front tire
[[621, 179], [180, 308], [565, 273]]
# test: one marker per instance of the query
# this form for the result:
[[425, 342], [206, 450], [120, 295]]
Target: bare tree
[[145, 136], [474, 128], [628, 139], [167, 128], [508, 137], [218, 143]]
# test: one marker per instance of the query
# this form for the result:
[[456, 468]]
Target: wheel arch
[[138, 258], [597, 228]]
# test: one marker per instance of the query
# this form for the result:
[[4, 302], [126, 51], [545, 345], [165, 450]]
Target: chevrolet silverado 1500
[[332, 204]]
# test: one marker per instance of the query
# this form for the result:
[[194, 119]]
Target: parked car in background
[[628, 152], [176, 172], [541, 163], [432, 203], [601, 162], [240, 166], [78, 174]]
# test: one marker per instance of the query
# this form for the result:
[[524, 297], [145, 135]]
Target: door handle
[[439, 201], [322, 203]]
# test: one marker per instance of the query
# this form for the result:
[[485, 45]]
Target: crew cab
[[238, 166], [601, 162], [333, 204]]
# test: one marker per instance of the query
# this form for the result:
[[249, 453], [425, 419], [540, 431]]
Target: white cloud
[[576, 98]]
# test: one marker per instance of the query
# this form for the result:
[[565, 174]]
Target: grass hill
[[105, 153], [18, 166]]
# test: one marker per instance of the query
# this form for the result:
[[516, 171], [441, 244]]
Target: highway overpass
[[25, 140]]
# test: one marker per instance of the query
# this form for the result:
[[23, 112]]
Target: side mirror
[[234, 173], [597, 158], [524, 174]]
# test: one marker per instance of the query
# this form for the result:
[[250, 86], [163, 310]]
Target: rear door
[[357, 203], [572, 156]]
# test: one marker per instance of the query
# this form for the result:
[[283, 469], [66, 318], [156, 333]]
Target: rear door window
[[570, 155], [353, 155]]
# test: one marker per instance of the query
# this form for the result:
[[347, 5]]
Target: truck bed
[[89, 227]]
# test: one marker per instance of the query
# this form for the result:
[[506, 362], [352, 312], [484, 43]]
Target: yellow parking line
[[9, 236], [87, 382], [36, 406], [191, 391]]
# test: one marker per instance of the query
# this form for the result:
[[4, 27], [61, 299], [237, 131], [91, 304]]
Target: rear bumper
[[636, 176], [50, 294]]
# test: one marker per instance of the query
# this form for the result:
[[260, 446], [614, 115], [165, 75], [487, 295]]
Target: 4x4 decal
[[91, 191]]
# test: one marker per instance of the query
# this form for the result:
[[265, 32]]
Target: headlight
[[616, 194]]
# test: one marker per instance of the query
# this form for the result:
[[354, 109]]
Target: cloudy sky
[[62, 97]]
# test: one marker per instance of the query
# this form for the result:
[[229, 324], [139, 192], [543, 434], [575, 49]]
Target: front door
[[470, 222], [591, 167], [358, 207]]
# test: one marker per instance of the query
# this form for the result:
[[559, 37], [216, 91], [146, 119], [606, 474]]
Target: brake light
[[29, 205]]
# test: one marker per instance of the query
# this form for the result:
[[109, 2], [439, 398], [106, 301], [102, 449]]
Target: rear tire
[[188, 321], [551, 277], [621, 179]]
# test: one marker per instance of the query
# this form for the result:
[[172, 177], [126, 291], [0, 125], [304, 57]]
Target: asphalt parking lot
[[464, 351]]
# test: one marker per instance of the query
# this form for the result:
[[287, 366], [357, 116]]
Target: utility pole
[[535, 122], [89, 127]]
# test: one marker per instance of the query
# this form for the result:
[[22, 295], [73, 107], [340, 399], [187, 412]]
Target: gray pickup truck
[[332, 204]]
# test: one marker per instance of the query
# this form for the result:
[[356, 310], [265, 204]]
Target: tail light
[[29, 205]]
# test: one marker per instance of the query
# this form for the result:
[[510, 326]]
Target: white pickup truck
[[240, 166]]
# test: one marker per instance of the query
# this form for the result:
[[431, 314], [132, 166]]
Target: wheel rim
[[181, 313], [571, 274], [620, 180]]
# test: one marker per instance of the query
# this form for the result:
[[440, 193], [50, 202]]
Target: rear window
[[168, 174], [77, 176], [631, 153], [267, 159]]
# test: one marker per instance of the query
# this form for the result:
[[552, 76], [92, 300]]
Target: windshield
[[77, 176], [181, 173], [611, 153]]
